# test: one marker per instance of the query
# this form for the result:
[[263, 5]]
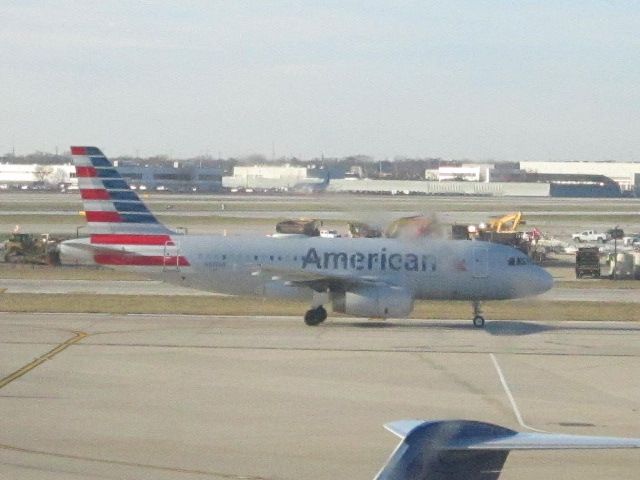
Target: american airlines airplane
[[362, 277]]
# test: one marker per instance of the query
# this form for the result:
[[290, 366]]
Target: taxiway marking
[[42, 358], [512, 400]]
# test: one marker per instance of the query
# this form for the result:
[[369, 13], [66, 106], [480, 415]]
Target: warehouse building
[[176, 178], [625, 174], [173, 178], [273, 177]]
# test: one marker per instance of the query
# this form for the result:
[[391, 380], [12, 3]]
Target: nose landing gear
[[478, 319], [315, 316]]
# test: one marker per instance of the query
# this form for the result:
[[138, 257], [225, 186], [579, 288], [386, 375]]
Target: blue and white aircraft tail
[[471, 450]]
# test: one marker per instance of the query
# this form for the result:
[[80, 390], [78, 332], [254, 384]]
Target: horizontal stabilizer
[[464, 449], [84, 244]]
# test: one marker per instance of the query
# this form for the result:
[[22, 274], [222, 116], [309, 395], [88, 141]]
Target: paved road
[[192, 397]]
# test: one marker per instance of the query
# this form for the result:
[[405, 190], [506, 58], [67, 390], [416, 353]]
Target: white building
[[18, 174], [466, 173], [624, 173], [267, 177], [161, 177]]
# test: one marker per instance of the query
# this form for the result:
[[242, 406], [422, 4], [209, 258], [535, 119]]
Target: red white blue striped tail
[[111, 207], [119, 223]]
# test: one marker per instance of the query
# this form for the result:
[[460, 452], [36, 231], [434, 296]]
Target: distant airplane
[[470, 450], [363, 277]]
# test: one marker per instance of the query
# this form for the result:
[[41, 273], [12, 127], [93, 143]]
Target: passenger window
[[522, 261], [511, 261]]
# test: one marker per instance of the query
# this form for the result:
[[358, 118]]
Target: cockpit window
[[518, 261]]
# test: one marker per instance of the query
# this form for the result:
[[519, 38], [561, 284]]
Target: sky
[[478, 80]]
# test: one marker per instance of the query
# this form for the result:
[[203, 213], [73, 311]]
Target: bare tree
[[58, 176], [42, 172]]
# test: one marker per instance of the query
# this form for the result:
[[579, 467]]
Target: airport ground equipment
[[415, 226], [622, 265], [303, 226], [472, 450], [29, 248], [588, 262], [631, 240], [364, 230]]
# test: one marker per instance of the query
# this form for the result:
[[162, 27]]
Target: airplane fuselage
[[426, 269]]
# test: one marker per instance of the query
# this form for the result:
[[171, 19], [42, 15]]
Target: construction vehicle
[[363, 230], [411, 227], [588, 262], [302, 226], [498, 229], [506, 223], [29, 248], [503, 230], [406, 227]]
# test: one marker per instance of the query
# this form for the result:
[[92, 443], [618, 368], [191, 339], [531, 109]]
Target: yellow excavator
[[506, 224]]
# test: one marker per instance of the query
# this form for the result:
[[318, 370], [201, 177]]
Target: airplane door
[[171, 257], [480, 262]]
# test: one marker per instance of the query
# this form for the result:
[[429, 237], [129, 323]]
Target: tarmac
[[88, 396]]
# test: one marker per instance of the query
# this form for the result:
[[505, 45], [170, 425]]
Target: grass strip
[[207, 305], [43, 272]]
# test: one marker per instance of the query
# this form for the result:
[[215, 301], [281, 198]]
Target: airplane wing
[[470, 450]]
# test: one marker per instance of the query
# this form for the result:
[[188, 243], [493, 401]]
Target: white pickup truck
[[590, 236]]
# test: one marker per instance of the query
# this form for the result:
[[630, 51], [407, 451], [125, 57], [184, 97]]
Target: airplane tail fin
[[470, 450], [115, 214]]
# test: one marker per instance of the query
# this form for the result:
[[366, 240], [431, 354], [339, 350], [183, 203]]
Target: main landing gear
[[478, 319], [315, 316]]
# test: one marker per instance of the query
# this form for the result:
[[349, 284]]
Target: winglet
[[470, 450]]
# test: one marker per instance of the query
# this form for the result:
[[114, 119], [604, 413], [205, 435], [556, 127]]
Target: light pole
[[615, 252]]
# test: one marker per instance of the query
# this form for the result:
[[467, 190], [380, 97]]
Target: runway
[[182, 397]]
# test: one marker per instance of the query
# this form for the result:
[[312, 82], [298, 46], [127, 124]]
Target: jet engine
[[374, 301]]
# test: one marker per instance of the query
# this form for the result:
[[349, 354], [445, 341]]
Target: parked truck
[[590, 236], [588, 262]]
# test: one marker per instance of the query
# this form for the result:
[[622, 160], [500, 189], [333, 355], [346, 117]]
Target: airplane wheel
[[478, 321], [315, 316]]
